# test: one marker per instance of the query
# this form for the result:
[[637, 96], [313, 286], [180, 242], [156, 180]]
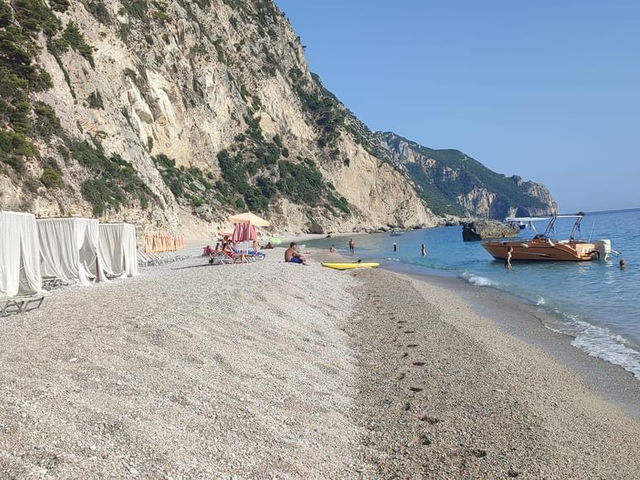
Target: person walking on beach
[[423, 250], [507, 262], [352, 246], [395, 247]]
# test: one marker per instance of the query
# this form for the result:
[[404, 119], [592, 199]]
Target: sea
[[595, 302]]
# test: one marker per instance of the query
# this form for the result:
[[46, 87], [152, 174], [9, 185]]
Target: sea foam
[[478, 280]]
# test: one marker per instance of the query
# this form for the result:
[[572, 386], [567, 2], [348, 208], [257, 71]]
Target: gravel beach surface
[[187, 371], [444, 393], [273, 370]]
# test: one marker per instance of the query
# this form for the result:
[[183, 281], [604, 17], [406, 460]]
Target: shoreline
[[517, 317], [623, 391]]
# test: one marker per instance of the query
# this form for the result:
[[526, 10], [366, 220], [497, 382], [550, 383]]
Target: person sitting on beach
[[268, 246], [623, 264], [332, 249], [226, 247], [292, 256], [507, 262]]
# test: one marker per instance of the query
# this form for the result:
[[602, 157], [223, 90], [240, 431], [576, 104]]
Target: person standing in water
[[623, 264], [352, 246], [507, 262], [423, 250], [395, 247]]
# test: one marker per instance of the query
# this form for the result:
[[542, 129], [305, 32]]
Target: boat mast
[[576, 225]]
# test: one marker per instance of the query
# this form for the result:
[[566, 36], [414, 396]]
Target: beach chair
[[219, 258], [51, 283], [15, 305], [236, 256], [143, 259]]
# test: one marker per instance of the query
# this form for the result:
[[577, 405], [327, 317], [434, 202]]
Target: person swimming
[[423, 250], [622, 264]]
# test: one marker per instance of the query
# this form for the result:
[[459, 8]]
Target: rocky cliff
[[174, 114], [451, 182]]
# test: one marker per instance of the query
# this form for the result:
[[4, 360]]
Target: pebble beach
[[274, 370]]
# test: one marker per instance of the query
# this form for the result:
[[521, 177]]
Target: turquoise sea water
[[595, 302]]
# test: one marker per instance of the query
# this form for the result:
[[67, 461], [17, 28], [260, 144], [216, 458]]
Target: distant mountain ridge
[[453, 183]]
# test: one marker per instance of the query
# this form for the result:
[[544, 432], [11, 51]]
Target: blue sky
[[549, 90]]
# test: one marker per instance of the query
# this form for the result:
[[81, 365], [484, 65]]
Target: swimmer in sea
[[622, 264], [507, 262], [423, 250]]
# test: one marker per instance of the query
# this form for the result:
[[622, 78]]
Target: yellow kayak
[[348, 266]]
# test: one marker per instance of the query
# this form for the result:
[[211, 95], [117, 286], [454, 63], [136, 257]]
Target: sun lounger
[[15, 305], [51, 283], [219, 258]]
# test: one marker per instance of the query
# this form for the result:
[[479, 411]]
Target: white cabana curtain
[[19, 256], [118, 249], [69, 249]]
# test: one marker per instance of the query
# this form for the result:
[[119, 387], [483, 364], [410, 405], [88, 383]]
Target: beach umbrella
[[249, 218], [244, 232]]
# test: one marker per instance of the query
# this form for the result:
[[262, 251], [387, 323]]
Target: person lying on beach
[[292, 256]]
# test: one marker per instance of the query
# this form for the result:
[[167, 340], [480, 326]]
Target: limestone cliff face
[[451, 182], [176, 113]]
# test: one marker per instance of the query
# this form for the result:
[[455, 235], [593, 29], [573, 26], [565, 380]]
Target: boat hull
[[543, 250]]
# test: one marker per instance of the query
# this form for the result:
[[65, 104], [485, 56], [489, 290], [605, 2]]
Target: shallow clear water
[[595, 302]]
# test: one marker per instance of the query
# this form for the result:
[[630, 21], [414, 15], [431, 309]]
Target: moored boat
[[543, 248]]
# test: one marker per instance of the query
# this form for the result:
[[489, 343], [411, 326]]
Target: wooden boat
[[543, 248]]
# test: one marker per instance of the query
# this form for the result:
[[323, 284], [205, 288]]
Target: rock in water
[[483, 229]]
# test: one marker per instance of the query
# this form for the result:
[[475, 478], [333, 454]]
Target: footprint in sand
[[405, 354], [430, 420], [479, 453], [402, 375], [412, 345], [407, 407], [415, 389], [425, 440], [402, 321], [409, 331], [419, 364]]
